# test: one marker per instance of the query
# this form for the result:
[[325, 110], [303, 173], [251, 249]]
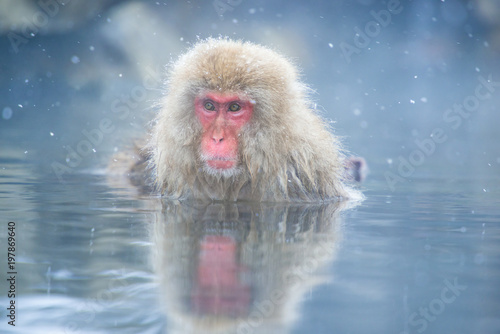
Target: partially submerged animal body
[[236, 124]]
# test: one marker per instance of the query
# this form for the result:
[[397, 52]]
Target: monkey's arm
[[356, 169], [132, 163]]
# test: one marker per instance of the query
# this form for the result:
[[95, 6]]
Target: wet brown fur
[[286, 151]]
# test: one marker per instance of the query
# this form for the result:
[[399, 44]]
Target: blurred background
[[386, 73]]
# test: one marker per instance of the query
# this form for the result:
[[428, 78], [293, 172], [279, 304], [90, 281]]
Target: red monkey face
[[222, 118]]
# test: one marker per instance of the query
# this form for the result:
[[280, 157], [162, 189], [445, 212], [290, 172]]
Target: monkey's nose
[[218, 136], [217, 140]]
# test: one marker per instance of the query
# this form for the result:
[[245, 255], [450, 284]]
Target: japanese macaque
[[236, 124]]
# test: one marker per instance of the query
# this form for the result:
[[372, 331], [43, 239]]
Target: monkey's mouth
[[217, 162], [221, 164]]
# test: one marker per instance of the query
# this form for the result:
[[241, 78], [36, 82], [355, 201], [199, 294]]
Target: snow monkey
[[236, 124]]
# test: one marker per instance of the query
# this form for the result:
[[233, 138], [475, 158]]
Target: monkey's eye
[[209, 106], [234, 107]]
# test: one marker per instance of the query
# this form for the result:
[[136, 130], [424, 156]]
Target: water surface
[[94, 256]]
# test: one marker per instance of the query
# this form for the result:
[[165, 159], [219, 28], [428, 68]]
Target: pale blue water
[[95, 258]]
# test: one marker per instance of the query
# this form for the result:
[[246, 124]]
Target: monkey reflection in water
[[240, 267], [236, 123]]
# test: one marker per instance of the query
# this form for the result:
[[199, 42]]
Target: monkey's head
[[235, 116]]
